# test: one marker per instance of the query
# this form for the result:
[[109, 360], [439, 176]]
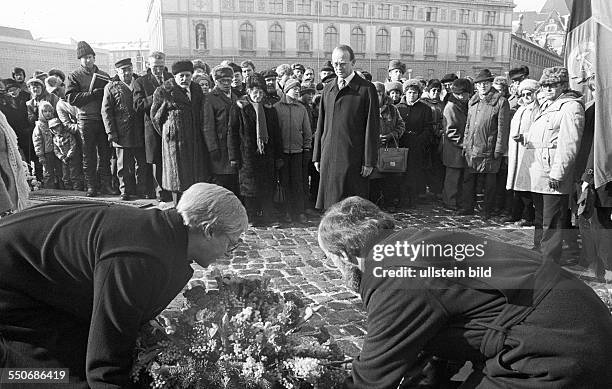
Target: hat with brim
[[327, 67], [123, 63], [461, 85], [517, 73], [298, 66], [484, 75], [182, 66], [270, 73], [308, 88]]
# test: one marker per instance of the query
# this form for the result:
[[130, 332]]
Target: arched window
[[431, 43], [383, 43], [200, 32], [407, 42], [330, 39], [303, 38], [463, 44], [514, 51], [487, 46], [276, 37], [247, 36], [358, 40]]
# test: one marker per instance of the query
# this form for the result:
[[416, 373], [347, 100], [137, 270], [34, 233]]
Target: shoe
[[525, 223], [464, 212], [301, 218], [312, 213], [91, 192], [125, 197], [286, 218], [109, 190]]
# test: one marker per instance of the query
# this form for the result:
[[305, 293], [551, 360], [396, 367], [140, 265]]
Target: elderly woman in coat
[[485, 142], [530, 325], [177, 115], [554, 139]]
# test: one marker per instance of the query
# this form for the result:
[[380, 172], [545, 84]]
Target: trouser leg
[[469, 188], [554, 213], [453, 182]]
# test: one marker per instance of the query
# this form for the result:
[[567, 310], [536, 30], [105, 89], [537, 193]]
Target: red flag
[[588, 51]]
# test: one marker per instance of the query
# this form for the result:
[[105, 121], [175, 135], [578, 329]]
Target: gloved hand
[[519, 138], [554, 184]]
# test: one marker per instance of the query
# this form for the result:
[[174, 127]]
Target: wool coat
[[563, 342], [217, 106], [67, 114], [256, 172], [455, 119], [346, 139], [519, 161], [185, 159], [42, 138], [144, 88], [119, 117], [80, 303], [294, 125], [65, 143], [486, 132], [77, 92], [554, 139]]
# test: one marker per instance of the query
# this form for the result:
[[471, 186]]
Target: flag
[[588, 51]]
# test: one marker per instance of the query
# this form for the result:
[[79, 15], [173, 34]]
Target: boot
[[91, 191]]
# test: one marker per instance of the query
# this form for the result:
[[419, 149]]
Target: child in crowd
[[66, 150], [43, 146]]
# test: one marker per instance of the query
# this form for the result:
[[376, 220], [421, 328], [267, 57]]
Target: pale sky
[[101, 20]]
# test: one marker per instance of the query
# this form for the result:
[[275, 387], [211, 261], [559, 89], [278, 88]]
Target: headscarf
[[18, 169], [261, 126]]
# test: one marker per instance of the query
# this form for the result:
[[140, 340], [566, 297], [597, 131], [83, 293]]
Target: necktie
[[342, 83], [188, 93]]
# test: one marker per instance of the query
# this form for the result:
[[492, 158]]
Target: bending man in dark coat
[[79, 302], [345, 147]]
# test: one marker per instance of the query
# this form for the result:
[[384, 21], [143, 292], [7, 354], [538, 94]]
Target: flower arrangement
[[242, 335]]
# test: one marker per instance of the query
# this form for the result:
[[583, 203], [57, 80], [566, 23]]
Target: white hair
[[284, 69]]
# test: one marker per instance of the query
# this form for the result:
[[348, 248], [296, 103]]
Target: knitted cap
[[182, 66], [393, 85], [290, 84], [554, 75], [84, 49], [528, 84]]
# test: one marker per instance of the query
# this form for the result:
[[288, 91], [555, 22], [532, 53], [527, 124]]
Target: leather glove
[[215, 155], [519, 138], [279, 163], [554, 184]]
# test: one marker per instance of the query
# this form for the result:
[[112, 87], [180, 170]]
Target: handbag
[[392, 159], [280, 194]]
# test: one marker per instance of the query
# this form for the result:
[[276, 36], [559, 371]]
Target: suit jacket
[[346, 139], [144, 87]]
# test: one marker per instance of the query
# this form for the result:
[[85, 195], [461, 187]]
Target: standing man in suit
[[346, 141], [144, 87]]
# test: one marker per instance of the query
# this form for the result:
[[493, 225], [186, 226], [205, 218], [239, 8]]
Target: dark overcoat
[[144, 87], [455, 118], [119, 117], [185, 159], [217, 108], [256, 172], [346, 139]]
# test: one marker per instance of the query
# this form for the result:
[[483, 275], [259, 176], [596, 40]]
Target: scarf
[[262, 128], [18, 169]]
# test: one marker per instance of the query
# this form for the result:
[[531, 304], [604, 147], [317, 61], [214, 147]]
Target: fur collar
[[244, 102], [491, 98]]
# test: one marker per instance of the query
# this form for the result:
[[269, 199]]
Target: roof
[[529, 20], [15, 33], [555, 5]]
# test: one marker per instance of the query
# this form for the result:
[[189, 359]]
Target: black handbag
[[392, 159]]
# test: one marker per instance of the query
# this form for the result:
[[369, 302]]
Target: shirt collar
[[348, 79]]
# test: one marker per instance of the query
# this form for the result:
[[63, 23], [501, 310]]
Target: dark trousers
[[164, 195], [291, 179], [131, 162], [72, 173], [384, 191], [435, 174], [229, 182], [453, 186], [314, 179], [96, 152], [596, 233], [470, 180], [503, 197], [258, 208], [522, 205], [52, 171], [550, 217]]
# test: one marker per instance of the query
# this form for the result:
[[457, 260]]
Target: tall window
[[303, 37], [431, 15], [331, 7], [276, 37], [246, 6], [200, 31], [384, 11], [330, 39], [463, 44], [407, 42], [487, 46], [247, 36], [464, 16], [490, 18], [431, 43], [304, 7], [276, 6], [358, 9], [383, 41], [358, 40], [407, 12]]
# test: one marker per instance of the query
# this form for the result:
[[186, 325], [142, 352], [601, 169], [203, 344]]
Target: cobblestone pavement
[[291, 258]]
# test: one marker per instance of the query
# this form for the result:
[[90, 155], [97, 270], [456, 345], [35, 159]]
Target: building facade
[[136, 50], [529, 53], [431, 37]]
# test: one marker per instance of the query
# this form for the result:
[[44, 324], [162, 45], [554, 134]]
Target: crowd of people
[[290, 145]]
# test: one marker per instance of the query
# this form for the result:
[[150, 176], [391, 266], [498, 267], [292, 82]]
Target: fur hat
[[519, 72], [528, 84], [298, 66], [393, 85], [554, 75], [327, 67], [158, 58], [221, 71], [270, 73], [450, 77], [434, 83], [52, 83], [182, 66], [35, 81], [199, 64], [413, 83], [461, 85], [57, 73], [123, 63], [256, 80], [380, 87], [397, 64], [84, 49], [484, 75], [41, 75]]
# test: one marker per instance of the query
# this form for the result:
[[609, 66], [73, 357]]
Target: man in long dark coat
[[345, 147]]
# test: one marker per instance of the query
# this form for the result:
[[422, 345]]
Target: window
[[303, 38], [453, 15], [304, 7], [247, 36], [358, 10], [318, 8], [383, 43], [276, 37], [246, 6], [384, 11], [551, 28], [431, 43], [490, 18], [358, 40], [407, 42], [487, 46], [371, 9], [463, 44], [276, 6], [227, 4], [420, 14], [330, 39], [443, 15], [431, 15], [290, 6], [464, 16], [200, 31], [395, 12], [331, 8], [407, 12]]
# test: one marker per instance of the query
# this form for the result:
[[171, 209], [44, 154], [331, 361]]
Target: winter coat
[[42, 138], [65, 144], [67, 114], [418, 136], [346, 139], [120, 119], [185, 159], [32, 105], [391, 123], [486, 132], [77, 92], [519, 161], [455, 119], [143, 89], [294, 125], [217, 108], [313, 115], [554, 139], [256, 172]]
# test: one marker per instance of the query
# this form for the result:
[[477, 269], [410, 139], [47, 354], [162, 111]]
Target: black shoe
[[91, 192], [301, 218], [464, 212], [125, 197]]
